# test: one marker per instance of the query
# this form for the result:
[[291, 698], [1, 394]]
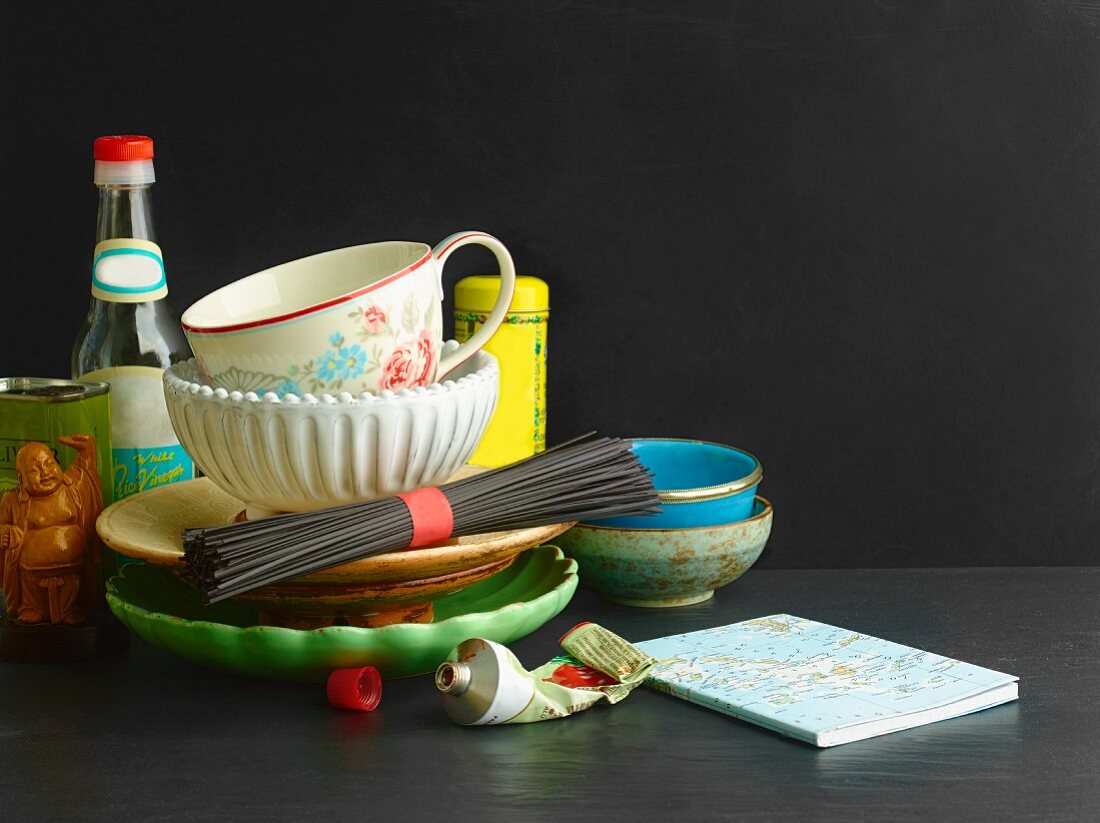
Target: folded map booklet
[[819, 683]]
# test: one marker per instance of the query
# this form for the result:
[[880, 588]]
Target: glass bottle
[[131, 334]]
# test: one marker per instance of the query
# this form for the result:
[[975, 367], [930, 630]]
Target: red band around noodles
[[432, 518]]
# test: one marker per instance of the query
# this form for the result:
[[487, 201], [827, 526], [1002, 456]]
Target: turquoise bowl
[[667, 567], [699, 484]]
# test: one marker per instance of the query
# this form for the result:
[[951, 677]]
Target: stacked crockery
[[315, 383], [711, 528], [321, 382]]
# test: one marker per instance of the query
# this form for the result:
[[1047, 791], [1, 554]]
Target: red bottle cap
[[121, 147], [359, 689]]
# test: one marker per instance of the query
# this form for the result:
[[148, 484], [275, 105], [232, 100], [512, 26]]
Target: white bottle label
[[128, 271], [145, 452]]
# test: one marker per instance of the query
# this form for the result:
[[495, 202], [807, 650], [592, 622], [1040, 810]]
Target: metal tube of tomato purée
[[483, 684]]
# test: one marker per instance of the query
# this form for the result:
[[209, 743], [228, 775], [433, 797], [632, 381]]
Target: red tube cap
[[121, 147], [359, 689]]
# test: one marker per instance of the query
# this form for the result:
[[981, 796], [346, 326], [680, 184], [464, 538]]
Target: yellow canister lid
[[479, 292]]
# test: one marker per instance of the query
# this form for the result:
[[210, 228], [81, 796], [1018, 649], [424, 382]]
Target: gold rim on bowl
[[703, 494], [767, 510]]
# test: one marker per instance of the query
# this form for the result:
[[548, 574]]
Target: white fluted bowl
[[300, 453]]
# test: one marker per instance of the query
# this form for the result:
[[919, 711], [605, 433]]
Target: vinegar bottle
[[131, 333]]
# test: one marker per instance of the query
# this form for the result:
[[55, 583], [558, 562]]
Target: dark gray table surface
[[150, 736]]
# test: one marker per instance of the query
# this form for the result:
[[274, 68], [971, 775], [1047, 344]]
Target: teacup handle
[[452, 360]]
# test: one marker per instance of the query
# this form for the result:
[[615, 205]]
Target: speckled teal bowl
[[667, 567]]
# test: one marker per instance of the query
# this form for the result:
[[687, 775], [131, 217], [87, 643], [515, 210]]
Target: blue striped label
[[128, 270]]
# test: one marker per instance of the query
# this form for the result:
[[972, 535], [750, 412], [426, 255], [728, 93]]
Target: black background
[[858, 239]]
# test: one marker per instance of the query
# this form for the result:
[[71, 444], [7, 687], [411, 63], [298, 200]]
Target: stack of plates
[[166, 611], [497, 586]]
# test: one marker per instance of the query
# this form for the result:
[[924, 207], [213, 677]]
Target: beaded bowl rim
[[186, 377]]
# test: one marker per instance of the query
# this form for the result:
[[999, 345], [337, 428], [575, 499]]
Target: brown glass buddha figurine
[[47, 535]]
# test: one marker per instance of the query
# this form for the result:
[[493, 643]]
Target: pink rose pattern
[[411, 363], [374, 319], [426, 349], [402, 370]]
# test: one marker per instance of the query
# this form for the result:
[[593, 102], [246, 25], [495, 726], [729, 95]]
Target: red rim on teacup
[[199, 328]]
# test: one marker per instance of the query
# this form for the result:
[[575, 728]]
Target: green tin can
[[41, 409]]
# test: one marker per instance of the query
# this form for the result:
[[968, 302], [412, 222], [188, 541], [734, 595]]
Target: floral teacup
[[361, 319]]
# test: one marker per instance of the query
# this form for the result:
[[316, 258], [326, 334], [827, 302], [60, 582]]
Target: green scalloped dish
[[166, 611]]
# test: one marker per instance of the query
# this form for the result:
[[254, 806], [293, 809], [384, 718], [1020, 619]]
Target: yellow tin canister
[[518, 427]]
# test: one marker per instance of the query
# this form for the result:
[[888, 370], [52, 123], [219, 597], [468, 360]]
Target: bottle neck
[[127, 266], [124, 212]]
